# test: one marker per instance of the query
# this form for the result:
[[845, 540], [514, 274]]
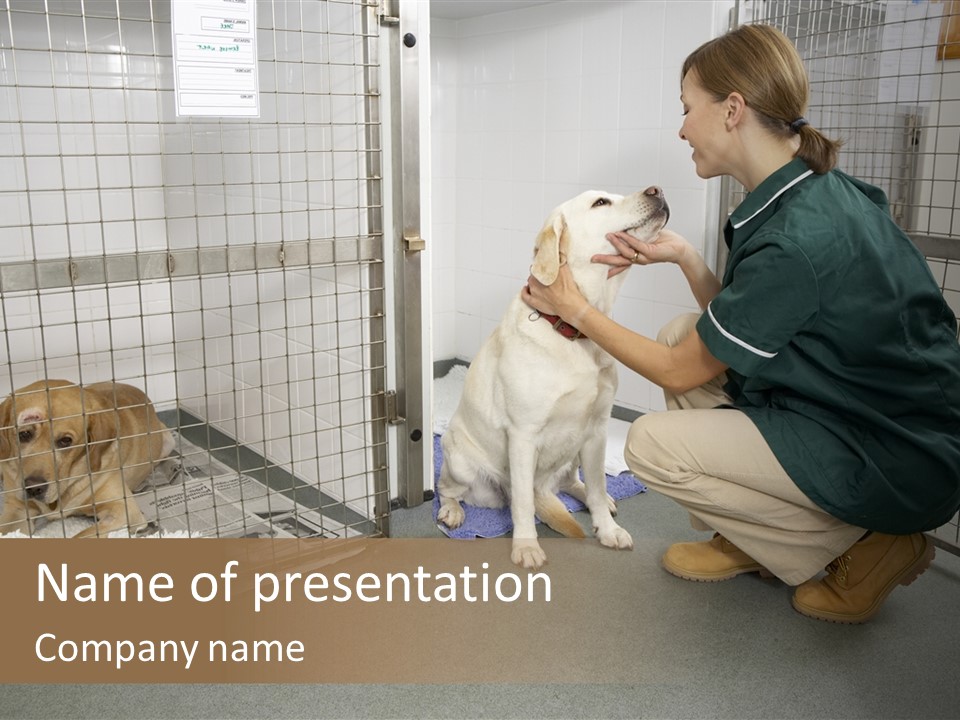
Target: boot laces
[[840, 568]]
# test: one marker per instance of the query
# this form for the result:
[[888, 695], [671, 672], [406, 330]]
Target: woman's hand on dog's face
[[668, 246]]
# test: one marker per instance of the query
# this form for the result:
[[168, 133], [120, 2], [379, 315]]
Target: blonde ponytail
[[817, 150]]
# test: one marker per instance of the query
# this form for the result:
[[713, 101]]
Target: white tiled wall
[[533, 106]]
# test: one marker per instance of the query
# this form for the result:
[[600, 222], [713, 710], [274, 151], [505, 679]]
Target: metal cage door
[[232, 268]]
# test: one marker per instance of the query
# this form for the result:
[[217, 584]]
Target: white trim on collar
[[776, 195]]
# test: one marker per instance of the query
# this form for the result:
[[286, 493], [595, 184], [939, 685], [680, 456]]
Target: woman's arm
[[676, 369], [668, 247]]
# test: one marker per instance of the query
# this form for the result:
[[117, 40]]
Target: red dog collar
[[564, 328]]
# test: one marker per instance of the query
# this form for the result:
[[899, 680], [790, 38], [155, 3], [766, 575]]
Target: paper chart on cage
[[215, 58]]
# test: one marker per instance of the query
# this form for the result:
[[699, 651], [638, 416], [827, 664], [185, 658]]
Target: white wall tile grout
[[534, 106]]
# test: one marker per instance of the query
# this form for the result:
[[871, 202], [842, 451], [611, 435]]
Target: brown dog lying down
[[69, 450]]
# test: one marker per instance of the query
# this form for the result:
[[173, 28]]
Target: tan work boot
[[710, 561], [859, 581]]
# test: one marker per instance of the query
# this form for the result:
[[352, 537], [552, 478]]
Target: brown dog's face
[[45, 429]]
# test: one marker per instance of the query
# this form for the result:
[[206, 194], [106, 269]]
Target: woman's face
[[703, 126]]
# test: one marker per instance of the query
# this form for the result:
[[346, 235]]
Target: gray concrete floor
[[728, 650]]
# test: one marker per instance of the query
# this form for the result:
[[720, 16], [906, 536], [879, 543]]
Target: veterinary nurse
[[813, 414]]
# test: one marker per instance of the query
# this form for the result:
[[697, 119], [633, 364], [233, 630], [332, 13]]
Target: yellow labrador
[[537, 396], [68, 450]]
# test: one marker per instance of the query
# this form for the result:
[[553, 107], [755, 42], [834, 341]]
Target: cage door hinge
[[391, 408]]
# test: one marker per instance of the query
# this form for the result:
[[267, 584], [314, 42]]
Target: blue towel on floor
[[493, 522]]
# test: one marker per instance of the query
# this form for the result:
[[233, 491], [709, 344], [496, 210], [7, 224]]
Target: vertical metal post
[[401, 18], [374, 189]]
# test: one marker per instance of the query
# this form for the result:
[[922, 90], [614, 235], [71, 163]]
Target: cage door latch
[[414, 243]]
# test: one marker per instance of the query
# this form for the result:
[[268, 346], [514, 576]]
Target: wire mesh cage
[[883, 81], [229, 268]]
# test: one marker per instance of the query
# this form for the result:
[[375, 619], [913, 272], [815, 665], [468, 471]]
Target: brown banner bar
[[368, 610]]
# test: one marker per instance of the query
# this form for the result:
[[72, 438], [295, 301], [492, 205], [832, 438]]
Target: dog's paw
[[91, 531], [528, 554], [450, 513], [615, 537], [12, 525]]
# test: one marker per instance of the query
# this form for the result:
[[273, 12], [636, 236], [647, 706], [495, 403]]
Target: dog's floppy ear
[[550, 250], [101, 424]]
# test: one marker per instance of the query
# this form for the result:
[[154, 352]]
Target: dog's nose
[[35, 485], [656, 193]]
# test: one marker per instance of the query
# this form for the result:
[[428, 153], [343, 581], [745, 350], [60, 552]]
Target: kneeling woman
[[814, 406]]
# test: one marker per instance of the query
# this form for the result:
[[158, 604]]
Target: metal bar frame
[[401, 20], [346, 236]]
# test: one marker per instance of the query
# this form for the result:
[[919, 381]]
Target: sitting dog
[[537, 396], [68, 450]]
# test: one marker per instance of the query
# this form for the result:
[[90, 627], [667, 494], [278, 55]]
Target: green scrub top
[[841, 350]]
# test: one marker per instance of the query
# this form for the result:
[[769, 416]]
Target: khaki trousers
[[716, 464]]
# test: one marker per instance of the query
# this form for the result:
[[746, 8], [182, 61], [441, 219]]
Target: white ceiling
[[462, 9]]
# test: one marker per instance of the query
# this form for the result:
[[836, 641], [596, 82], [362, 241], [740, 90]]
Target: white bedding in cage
[[192, 494]]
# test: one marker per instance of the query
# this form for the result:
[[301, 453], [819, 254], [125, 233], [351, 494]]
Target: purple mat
[[494, 522]]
